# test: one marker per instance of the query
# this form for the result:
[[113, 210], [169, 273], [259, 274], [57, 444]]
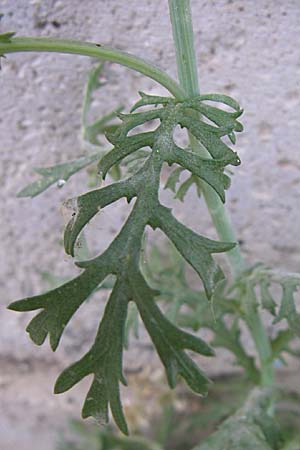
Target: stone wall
[[248, 49]]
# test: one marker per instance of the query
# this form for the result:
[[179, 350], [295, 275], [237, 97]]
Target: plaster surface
[[247, 49]]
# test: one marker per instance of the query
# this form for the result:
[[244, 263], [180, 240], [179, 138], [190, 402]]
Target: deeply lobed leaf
[[122, 257]]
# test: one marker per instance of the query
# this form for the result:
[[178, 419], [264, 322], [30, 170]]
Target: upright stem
[[262, 343], [180, 13], [183, 35], [181, 20]]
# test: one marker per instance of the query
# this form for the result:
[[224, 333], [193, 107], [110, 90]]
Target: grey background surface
[[247, 49]]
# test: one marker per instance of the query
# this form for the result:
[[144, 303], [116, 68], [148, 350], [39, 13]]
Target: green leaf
[[208, 170], [210, 138], [267, 301], [129, 144], [173, 179], [288, 309], [218, 116], [147, 100], [220, 98], [256, 283], [93, 84], [281, 343], [101, 126], [91, 131], [55, 174], [122, 258], [229, 337], [249, 428], [183, 189], [6, 37], [292, 445]]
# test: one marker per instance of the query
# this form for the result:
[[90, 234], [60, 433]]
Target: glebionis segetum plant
[[212, 121]]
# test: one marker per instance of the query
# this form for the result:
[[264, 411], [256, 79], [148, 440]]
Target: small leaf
[[210, 171], [218, 116], [150, 100], [6, 37], [220, 98], [287, 308], [267, 301], [129, 144], [93, 83], [230, 338], [91, 132], [232, 137], [173, 179], [210, 138], [53, 174], [184, 187], [101, 126], [281, 343]]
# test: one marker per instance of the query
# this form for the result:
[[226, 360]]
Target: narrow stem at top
[[181, 19], [180, 13]]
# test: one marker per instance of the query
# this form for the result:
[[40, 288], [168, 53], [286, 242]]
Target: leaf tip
[[59, 386], [13, 306], [6, 37]]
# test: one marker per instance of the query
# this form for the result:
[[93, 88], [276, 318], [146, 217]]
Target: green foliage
[[236, 419], [91, 131], [249, 428], [260, 287], [59, 174], [191, 309], [122, 257], [230, 307]]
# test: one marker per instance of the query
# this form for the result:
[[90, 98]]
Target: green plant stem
[[263, 347], [180, 13], [28, 44], [188, 76]]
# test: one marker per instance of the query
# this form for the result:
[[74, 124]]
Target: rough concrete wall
[[247, 49]]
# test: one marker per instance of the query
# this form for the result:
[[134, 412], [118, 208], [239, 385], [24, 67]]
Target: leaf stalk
[[68, 46]]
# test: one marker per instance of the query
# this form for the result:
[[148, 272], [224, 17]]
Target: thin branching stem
[[188, 75], [28, 44]]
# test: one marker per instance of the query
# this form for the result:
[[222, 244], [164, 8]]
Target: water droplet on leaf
[[61, 183]]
